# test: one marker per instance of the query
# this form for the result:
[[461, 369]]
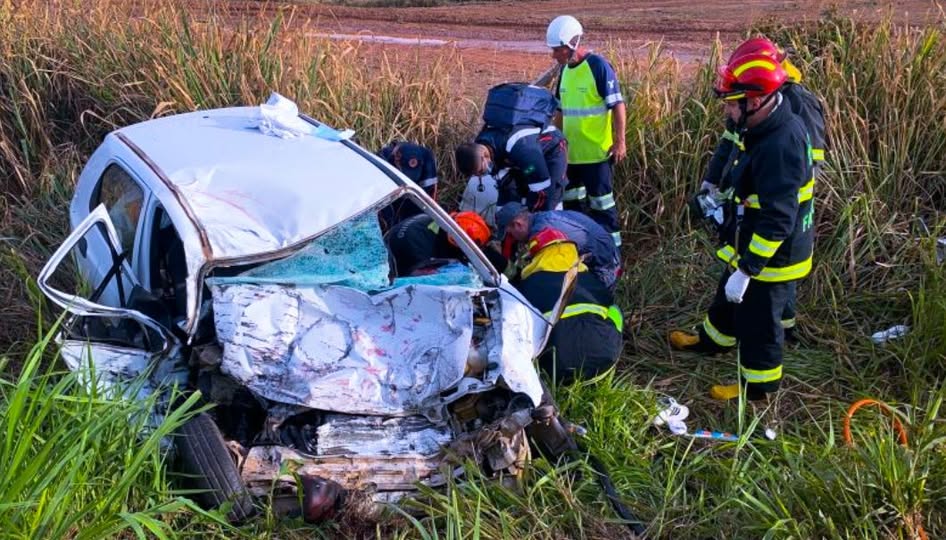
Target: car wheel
[[206, 462]]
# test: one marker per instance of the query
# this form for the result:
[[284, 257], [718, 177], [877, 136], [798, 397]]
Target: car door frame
[[79, 306]]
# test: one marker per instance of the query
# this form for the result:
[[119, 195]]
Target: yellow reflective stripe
[[785, 273], [762, 247], [731, 136], [579, 309], [817, 154], [770, 274], [611, 313], [614, 313], [761, 375], [718, 337], [728, 254], [766, 64], [788, 323], [807, 191], [752, 201], [732, 97]]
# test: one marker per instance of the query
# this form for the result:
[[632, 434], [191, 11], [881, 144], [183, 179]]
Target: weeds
[[71, 464]]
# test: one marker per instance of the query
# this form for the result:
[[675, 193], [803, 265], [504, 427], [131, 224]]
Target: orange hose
[[901, 437], [901, 432]]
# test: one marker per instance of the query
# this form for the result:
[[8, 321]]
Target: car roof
[[249, 193]]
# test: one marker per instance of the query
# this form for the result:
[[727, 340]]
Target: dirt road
[[500, 40]]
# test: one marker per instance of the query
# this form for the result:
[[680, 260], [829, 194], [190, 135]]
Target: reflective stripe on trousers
[[602, 202], [761, 375], [718, 337], [575, 194]]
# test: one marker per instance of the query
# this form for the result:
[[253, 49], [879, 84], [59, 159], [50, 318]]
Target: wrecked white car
[[218, 257]]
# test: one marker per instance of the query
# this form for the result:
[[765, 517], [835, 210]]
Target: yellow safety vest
[[586, 119]]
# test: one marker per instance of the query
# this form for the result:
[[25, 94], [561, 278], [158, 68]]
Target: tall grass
[[80, 464], [71, 71]]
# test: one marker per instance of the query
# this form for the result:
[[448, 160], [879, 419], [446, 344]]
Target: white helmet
[[562, 30]]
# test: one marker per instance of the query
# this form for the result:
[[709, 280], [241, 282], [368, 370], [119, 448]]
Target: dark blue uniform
[[587, 339], [808, 108], [769, 235], [537, 159], [419, 165]]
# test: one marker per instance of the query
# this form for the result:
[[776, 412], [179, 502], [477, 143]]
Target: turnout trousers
[[590, 191], [581, 346], [756, 325]]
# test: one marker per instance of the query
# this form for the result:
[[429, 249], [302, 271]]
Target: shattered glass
[[453, 274], [351, 255]]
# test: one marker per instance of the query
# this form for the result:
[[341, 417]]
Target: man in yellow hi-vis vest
[[593, 118]]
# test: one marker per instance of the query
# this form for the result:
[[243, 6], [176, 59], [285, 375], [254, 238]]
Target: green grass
[[71, 462]]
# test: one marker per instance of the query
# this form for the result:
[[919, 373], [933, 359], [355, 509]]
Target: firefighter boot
[[725, 392], [682, 340]]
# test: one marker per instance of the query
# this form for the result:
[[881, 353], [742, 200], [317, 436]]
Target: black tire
[[206, 462]]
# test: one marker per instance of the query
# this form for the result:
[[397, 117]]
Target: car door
[[125, 199], [112, 342]]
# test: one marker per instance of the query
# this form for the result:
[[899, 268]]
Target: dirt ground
[[503, 40]]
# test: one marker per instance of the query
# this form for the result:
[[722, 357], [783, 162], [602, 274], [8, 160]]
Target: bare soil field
[[505, 39]]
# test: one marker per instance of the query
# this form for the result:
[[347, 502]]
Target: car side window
[[123, 198]]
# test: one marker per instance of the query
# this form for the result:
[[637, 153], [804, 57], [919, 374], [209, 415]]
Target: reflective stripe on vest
[[770, 274], [612, 313], [586, 119], [805, 193]]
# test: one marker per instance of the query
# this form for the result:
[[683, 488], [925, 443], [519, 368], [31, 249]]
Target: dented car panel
[[340, 349]]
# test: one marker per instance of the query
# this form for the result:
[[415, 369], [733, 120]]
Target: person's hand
[[736, 286], [619, 150]]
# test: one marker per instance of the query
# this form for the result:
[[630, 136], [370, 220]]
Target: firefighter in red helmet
[[805, 104], [767, 228], [588, 337]]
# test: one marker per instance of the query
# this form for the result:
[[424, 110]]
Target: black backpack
[[511, 105]]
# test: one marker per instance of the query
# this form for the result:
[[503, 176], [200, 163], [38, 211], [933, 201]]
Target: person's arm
[[609, 88], [525, 153], [717, 163], [557, 117], [619, 125]]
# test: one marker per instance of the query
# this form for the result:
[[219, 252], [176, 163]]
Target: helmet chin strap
[[745, 113]]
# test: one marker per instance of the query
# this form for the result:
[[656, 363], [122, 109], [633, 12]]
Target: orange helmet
[[544, 238], [757, 45], [474, 225], [751, 75]]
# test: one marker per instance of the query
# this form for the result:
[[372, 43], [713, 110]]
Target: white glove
[[736, 286], [709, 187]]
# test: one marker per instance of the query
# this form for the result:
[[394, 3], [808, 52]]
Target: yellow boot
[[724, 392], [683, 341]]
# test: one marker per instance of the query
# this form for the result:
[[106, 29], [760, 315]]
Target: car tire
[[208, 466]]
